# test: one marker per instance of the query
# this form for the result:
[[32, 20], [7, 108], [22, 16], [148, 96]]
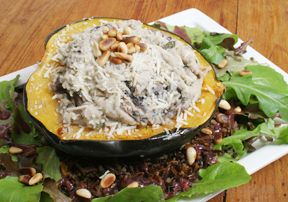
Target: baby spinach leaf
[[220, 176], [50, 162], [149, 193], [13, 190], [265, 84]]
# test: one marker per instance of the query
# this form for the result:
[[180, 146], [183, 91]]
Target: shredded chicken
[[151, 90]]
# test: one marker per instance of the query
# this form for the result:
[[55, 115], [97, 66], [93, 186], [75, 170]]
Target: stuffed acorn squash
[[112, 87]]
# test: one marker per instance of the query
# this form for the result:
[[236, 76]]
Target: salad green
[[264, 88]]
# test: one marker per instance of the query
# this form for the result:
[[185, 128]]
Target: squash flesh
[[43, 108]]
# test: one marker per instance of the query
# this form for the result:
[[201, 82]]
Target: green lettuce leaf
[[12, 190], [265, 84], [212, 46], [22, 137], [149, 193], [220, 176], [267, 129], [50, 162], [7, 93]]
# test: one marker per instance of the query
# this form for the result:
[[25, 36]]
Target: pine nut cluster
[[117, 47]]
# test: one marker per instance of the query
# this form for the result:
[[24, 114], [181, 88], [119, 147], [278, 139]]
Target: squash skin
[[122, 147]]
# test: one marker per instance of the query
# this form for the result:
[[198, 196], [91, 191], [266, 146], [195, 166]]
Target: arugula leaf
[[265, 84], [13, 190], [222, 175], [235, 141], [50, 162], [149, 193]]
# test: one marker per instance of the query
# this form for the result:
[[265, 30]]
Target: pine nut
[[222, 64], [105, 30], [131, 50], [115, 60], [84, 193], [27, 171], [112, 33], [15, 150], [191, 155], [95, 49], [137, 48], [105, 44], [122, 47], [143, 47], [119, 36], [222, 118], [114, 47], [35, 179], [133, 184], [237, 109], [132, 39], [24, 179], [245, 72], [207, 131], [124, 56], [102, 59], [104, 36], [127, 30], [223, 104], [107, 180]]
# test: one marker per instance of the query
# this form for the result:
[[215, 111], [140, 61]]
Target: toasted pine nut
[[143, 47], [122, 47], [245, 72], [237, 109], [191, 155], [28, 171], [132, 39], [114, 47], [119, 36], [104, 36], [112, 33], [84, 193], [105, 30], [127, 30], [107, 180], [115, 60], [222, 118], [102, 59], [15, 150], [137, 48], [124, 56], [131, 50], [207, 131], [105, 44], [133, 184], [130, 45], [35, 179], [222, 64], [223, 104], [24, 179]]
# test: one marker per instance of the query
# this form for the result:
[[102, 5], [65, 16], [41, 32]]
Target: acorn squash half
[[42, 109]]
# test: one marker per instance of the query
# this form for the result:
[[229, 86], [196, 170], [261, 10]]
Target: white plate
[[193, 17]]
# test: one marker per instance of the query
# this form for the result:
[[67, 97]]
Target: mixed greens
[[264, 90]]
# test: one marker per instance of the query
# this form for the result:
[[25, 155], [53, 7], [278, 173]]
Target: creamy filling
[[152, 89]]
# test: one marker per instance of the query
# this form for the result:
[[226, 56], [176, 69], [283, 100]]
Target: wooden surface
[[24, 24]]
